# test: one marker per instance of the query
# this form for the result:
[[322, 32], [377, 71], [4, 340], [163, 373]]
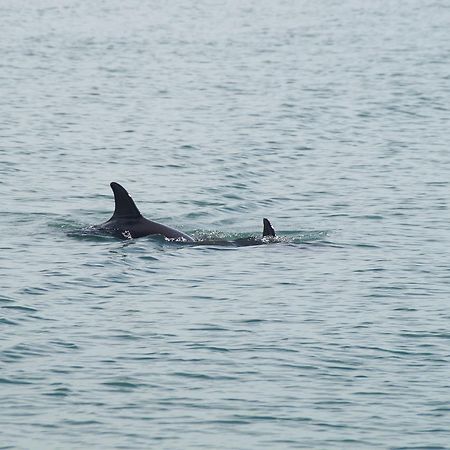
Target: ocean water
[[330, 118]]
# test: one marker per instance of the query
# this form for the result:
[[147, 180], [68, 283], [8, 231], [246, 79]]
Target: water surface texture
[[331, 119]]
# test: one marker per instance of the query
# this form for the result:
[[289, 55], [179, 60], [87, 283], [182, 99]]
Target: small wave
[[4, 299], [123, 384], [4, 321], [59, 392], [20, 308], [13, 381], [202, 376]]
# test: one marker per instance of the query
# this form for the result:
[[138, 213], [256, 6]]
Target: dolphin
[[127, 222]]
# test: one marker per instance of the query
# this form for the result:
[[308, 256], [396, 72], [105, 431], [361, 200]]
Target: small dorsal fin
[[125, 206], [268, 228]]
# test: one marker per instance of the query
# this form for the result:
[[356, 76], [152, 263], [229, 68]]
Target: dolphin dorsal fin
[[125, 206], [268, 228]]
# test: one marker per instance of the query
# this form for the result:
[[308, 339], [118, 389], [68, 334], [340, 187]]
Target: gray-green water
[[332, 119]]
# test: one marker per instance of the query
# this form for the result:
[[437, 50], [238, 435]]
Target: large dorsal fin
[[125, 206], [268, 228]]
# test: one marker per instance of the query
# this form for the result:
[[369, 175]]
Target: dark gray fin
[[125, 206], [268, 228]]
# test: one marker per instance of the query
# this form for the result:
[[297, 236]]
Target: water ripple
[[329, 118]]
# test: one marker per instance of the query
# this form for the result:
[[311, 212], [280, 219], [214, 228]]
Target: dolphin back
[[127, 221]]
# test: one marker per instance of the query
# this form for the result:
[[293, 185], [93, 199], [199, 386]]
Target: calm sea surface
[[330, 118]]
